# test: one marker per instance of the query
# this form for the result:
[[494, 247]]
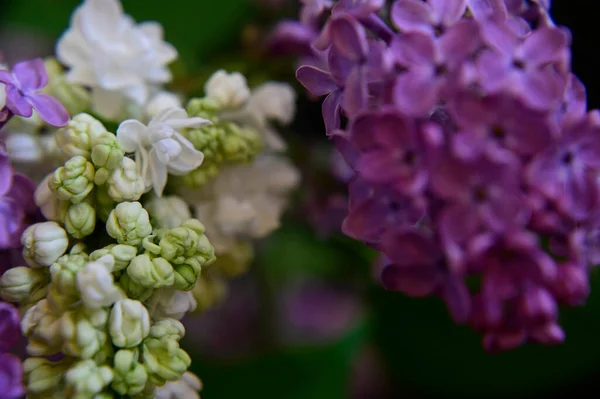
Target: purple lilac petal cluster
[[476, 162], [11, 370], [23, 84]]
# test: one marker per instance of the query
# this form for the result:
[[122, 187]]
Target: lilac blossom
[[467, 150], [11, 372], [23, 85]]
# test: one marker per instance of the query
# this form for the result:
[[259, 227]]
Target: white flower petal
[[130, 133], [158, 172], [189, 158]]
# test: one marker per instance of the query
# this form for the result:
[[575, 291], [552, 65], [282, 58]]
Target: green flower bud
[[240, 144], [63, 290], [79, 136], [74, 97], [203, 107], [207, 139], [24, 285], [167, 330], [149, 392], [187, 274], [43, 375], [51, 206], [86, 379], [123, 254], [128, 223], [236, 261], [178, 244], [80, 338], [42, 326], [129, 323], [130, 376], [74, 181], [163, 364], [208, 292], [198, 177], [151, 272], [80, 220], [43, 243], [106, 152], [125, 183], [149, 244], [134, 290], [96, 285]]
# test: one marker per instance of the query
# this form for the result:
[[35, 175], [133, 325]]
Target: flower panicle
[[472, 152]]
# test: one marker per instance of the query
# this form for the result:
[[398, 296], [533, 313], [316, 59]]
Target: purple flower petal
[[544, 46], [348, 37], [49, 109], [331, 111], [17, 103], [11, 375], [457, 297], [483, 9], [412, 281], [22, 193], [355, 92], [315, 80], [6, 174], [448, 12], [415, 49], [378, 167], [31, 75], [411, 15], [408, 84]]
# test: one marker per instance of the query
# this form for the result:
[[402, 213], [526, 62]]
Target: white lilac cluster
[[118, 261]]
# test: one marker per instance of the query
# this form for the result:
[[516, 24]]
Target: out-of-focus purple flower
[[11, 376], [16, 203], [473, 146], [22, 93], [292, 37], [10, 326]]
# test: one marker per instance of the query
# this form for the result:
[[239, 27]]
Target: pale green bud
[[86, 379], [63, 290], [134, 290], [167, 330], [79, 136], [149, 392], [151, 272], [106, 152], [203, 107], [51, 206], [163, 363], [43, 243], [24, 285], [179, 243], [80, 220], [42, 326], [170, 303], [130, 376], [198, 177], [104, 204], [96, 283], [129, 323], [125, 183], [80, 338], [73, 181], [150, 245], [187, 273], [73, 96], [128, 223], [168, 212], [122, 254], [43, 375]]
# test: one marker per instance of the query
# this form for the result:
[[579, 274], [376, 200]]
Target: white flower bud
[[78, 137], [229, 90], [161, 101], [186, 387], [42, 327], [73, 181], [23, 284], [96, 283], [43, 243], [274, 100], [51, 206], [174, 304], [128, 223], [125, 184], [129, 323], [168, 212]]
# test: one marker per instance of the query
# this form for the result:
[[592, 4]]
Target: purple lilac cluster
[[476, 161]]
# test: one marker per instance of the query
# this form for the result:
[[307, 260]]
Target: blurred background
[[309, 320]]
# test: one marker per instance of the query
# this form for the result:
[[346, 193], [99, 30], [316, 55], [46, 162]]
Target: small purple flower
[[11, 377], [22, 93], [566, 172], [528, 68], [10, 327]]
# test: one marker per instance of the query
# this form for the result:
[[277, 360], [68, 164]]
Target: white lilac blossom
[[96, 283], [119, 59], [161, 101], [227, 90], [185, 388], [160, 148]]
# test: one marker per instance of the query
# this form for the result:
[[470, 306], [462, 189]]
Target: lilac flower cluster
[[476, 162]]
